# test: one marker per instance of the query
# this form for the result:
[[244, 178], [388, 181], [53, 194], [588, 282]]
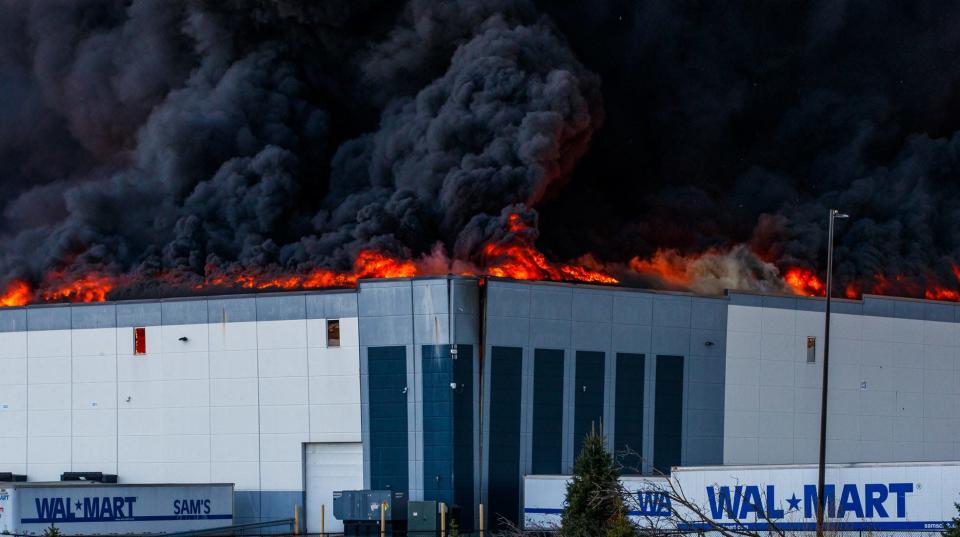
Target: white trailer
[[84, 508], [875, 497]]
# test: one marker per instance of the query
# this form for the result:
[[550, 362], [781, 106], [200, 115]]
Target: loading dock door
[[330, 466]]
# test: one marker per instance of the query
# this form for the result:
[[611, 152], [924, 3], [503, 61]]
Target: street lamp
[[821, 469]]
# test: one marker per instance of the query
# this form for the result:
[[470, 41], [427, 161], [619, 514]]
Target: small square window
[[811, 350], [140, 340], [333, 333]]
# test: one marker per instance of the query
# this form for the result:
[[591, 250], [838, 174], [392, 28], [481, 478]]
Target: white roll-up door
[[330, 466]]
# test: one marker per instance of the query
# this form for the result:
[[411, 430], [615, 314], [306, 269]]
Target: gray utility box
[[359, 510], [422, 518]]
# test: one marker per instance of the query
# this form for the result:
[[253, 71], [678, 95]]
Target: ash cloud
[[165, 140], [169, 139]]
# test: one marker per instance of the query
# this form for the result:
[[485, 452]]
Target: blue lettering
[[130, 500], [106, 509], [43, 508], [901, 490], [91, 508], [651, 503], [751, 502], [206, 506], [721, 504], [810, 500], [850, 501], [176, 507], [772, 511], [117, 507], [875, 494]]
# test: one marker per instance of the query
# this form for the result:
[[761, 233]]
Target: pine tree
[[954, 529], [593, 496]]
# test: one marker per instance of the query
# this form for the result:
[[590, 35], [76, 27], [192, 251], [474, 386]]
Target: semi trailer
[[869, 497], [86, 508]]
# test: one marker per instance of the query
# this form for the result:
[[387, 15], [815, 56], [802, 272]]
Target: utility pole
[[821, 469]]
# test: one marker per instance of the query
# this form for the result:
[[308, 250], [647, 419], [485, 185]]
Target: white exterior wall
[[894, 388], [234, 403]]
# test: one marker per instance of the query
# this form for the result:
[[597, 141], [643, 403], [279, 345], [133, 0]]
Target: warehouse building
[[453, 388]]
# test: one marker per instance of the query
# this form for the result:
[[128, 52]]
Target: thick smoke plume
[[152, 148]]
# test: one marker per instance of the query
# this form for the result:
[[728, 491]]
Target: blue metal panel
[[386, 298], [437, 424], [810, 304], [232, 310], [592, 305], [549, 333], [339, 305], [430, 297], [13, 320], [508, 299], [281, 308], [908, 309], [383, 331], [670, 340], [138, 314], [842, 306], [671, 311], [632, 308], [184, 312], [631, 338], [550, 302], [781, 302], [876, 306], [466, 297], [591, 335], [94, 316], [709, 314], [668, 413], [386, 389], [54, 318], [939, 312], [745, 299], [463, 440], [588, 396], [547, 411], [506, 375], [511, 331], [628, 426]]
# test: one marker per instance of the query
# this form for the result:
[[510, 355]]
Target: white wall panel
[[233, 336], [95, 369], [94, 342], [48, 343], [49, 370], [284, 419], [233, 403], [233, 392], [198, 336], [13, 371], [283, 391], [283, 362], [282, 334], [233, 364], [234, 420], [13, 344]]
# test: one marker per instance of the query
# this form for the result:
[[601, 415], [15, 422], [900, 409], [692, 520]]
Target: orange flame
[[667, 265], [18, 293], [524, 262], [369, 264], [91, 287], [804, 282]]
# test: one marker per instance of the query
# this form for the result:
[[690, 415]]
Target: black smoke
[[164, 141]]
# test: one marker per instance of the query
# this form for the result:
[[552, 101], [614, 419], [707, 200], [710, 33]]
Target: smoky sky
[[156, 138]]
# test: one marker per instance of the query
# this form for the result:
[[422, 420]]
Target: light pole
[[821, 469]]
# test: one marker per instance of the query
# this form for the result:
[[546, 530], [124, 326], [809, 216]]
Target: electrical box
[[422, 519]]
